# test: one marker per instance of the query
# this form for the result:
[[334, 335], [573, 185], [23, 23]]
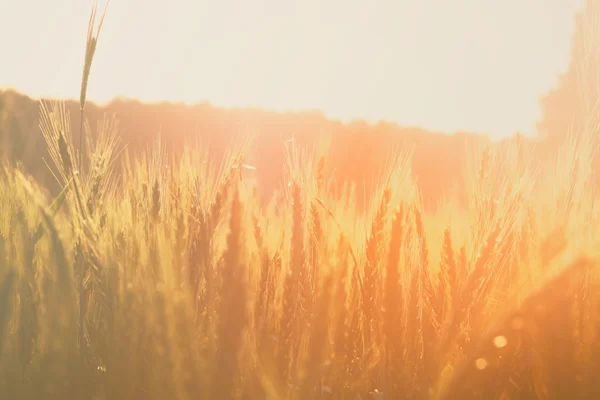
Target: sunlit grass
[[168, 278]]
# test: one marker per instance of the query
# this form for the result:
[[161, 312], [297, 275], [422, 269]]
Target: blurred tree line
[[356, 151]]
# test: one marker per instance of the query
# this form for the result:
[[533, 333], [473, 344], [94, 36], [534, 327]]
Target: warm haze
[[154, 250], [463, 65]]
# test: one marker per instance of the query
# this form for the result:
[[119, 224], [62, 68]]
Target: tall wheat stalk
[[90, 50]]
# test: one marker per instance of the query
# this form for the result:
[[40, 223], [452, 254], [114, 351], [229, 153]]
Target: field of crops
[[161, 276]]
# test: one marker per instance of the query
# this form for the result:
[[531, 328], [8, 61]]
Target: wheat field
[[157, 276]]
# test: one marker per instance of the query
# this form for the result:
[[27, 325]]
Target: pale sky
[[447, 65]]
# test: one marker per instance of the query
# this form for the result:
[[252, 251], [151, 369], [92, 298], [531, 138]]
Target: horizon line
[[316, 112]]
